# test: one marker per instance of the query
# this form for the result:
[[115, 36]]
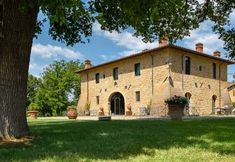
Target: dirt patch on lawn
[[13, 143]]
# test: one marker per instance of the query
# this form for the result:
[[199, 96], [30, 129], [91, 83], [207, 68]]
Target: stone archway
[[214, 97], [117, 104], [189, 110]]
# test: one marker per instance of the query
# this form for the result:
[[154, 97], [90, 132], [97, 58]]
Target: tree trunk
[[16, 34]]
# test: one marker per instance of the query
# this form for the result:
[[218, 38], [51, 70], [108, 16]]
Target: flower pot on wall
[[176, 106], [33, 110], [176, 112], [72, 113], [33, 114]]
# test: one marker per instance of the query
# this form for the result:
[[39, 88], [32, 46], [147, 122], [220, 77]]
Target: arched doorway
[[188, 95], [189, 106], [214, 97], [117, 104]]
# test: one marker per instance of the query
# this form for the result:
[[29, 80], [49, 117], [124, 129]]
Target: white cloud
[[232, 17], [125, 39], [104, 57], [201, 1], [50, 51], [36, 69], [133, 44], [204, 35], [128, 52]]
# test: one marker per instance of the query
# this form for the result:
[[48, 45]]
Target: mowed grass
[[136, 140]]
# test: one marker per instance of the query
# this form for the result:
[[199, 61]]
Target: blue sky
[[105, 46]]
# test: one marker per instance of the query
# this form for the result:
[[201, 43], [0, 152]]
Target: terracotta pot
[[176, 112], [33, 114], [72, 113], [128, 113]]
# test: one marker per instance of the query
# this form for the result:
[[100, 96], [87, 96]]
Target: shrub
[[87, 106], [234, 104], [72, 107], [148, 108], [33, 107], [177, 100]]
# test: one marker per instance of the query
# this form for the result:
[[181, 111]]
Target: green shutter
[[137, 69]]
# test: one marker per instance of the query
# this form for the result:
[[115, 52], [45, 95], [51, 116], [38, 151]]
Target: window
[[137, 69], [137, 95], [115, 73], [187, 63], [97, 78], [214, 71], [233, 92], [97, 100], [104, 76], [200, 68]]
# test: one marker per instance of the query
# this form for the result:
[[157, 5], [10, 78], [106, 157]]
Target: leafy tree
[[172, 18], [59, 82], [32, 88], [71, 20]]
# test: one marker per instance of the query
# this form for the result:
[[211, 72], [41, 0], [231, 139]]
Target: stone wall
[[158, 80], [200, 84]]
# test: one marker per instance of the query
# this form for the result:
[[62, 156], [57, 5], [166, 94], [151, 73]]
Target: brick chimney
[[199, 47], [87, 64], [163, 41], [216, 53]]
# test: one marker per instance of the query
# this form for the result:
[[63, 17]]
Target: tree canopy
[[59, 87], [33, 85], [71, 20], [174, 18]]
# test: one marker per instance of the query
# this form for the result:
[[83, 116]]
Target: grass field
[[136, 140]]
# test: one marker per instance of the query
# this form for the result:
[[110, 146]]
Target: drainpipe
[[152, 64], [220, 84], [183, 72], [169, 64], [87, 86]]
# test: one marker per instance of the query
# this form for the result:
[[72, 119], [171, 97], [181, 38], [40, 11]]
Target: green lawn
[[64, 140]]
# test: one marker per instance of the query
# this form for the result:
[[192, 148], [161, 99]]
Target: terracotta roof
[[231, 86], [156, 49]]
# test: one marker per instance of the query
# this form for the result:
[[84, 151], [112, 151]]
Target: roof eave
[[156, 49]]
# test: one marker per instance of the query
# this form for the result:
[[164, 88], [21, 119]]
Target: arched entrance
[[214, 97], [117, 104], [189, 106]]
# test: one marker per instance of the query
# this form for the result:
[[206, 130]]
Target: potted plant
[[176, 106], [87, 108], [33, 110], [148, 108], [72, 112]]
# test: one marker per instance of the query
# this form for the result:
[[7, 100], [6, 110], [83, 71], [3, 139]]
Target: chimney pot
[[87, 64], [163, 41], [216, 53], [199, 47]]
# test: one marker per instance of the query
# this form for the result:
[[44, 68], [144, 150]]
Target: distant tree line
[[56, 88]]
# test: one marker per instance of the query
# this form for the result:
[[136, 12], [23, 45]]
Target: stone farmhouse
[[151, 76]]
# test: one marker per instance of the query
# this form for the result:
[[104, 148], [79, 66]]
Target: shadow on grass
[[118, 140]]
